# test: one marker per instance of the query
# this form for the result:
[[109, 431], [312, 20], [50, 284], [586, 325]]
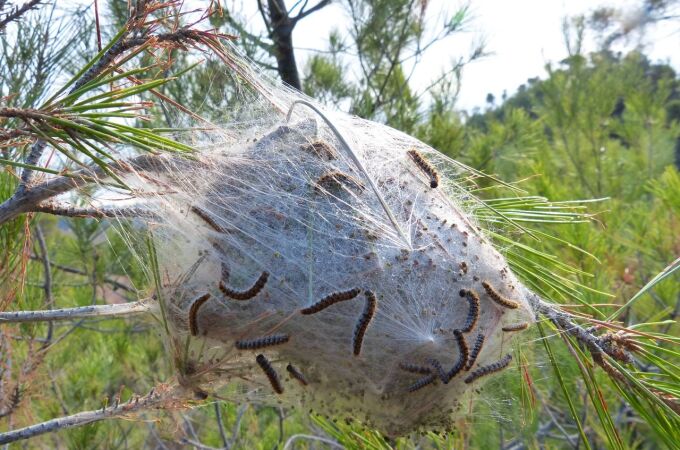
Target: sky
[[521, 35]]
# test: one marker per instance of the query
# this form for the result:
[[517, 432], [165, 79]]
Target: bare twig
[[118, 310], [309, 437], [220, 425], [63, 209], [155, 399], [18, 12], [47, 286], [237, 425], [68, 269]]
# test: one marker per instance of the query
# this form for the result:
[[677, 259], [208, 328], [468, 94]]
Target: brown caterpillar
[[516, 327], [473, 313], [295, 373], [498, 298], [208, 219], [321, 149], [193, 313], [475, 351], [422, 383], [268, 370], [337, 178], [331, 299], [462, 346], [266, 341], [491, 368], [425, 167], [248, 293], [413, 368], [364, 320]]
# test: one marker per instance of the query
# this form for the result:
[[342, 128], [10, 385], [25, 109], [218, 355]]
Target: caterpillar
[[248, 293], [364, 320], [498, 298], [462, 346], [421, 383], [473, 313], [491, 368], [295, 373], [425, 167], [266, 341], [224, 272], [443, 375], [208, 219], [413, 368], [193, 313], [475, 351], [331, 299], [463, 354], [337, 178], [321, 149], [268, 370], [516, 327]]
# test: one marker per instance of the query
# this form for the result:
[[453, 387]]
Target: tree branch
[[155, 399], [116, 310], [302, 14], [26, 200], [63, 209], [18, 12]]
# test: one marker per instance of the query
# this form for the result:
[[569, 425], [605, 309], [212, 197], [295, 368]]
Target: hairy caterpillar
[[208, 219], [295, 373], [425, 167], [516, 327], [422, 383], [268, 370], [462, 347], [439, 370], [337, 178], [475, 351], [473, 313], [321, 149], [193, 313], [488, 369], [413, 368], [248, 293], [266, 341], [364, 320], [331, 299], [498, 298]]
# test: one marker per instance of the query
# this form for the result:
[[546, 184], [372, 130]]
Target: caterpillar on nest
[[386, 238]]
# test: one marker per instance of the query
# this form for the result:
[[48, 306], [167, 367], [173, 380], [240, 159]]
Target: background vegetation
[[603, 125]]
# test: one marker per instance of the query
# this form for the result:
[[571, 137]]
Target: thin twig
[[47, 286], [220, 425], [295, 437], [68, 269]]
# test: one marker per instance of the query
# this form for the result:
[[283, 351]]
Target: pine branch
[[26, 200]]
